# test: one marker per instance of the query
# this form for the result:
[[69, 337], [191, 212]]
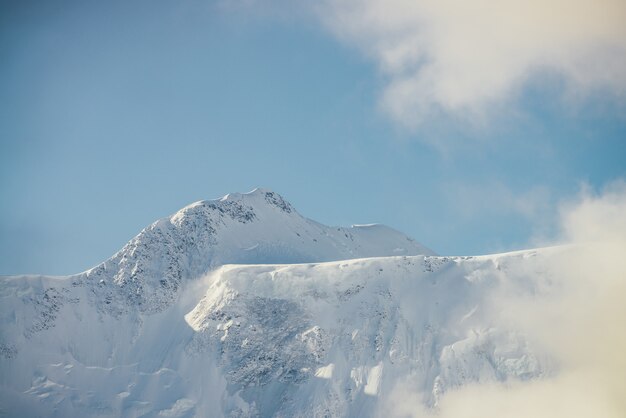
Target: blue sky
[[114, 114]]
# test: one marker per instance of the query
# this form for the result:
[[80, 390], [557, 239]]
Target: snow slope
[[161, 330]]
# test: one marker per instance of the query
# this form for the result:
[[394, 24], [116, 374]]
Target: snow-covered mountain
[[166, 328]]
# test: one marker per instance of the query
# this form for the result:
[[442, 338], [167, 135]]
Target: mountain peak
[[239, 206], [256, 192], [258, 227], [260, 196]]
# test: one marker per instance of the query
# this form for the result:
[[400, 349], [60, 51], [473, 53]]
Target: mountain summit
[[259, 227]]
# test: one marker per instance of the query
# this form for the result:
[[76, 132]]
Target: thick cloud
[[579, 320], [467, 58]]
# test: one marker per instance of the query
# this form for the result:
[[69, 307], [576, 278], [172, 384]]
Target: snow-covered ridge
[[312, 339]]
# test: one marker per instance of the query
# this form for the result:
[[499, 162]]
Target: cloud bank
[[579, 321], [468, 58]]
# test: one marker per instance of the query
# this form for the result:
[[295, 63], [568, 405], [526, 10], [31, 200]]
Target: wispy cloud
[[467, 59], [470, 200]]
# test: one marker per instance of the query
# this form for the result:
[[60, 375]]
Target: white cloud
[[595, 218], [467, 58], [580, 321]]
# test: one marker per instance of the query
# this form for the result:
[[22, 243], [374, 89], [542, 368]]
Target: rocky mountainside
[[165, 328]]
